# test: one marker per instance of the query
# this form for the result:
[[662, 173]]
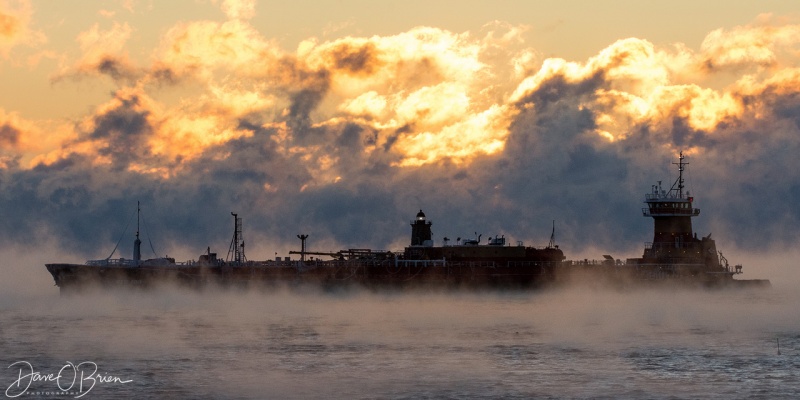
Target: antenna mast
[[137, 244], [236, 251], [679, 182]]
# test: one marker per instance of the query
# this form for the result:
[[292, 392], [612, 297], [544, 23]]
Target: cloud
[[8, 135], [346, 139], [197, 50], [24, 141], [239, 9], [9, 26], [15, 26], [103, 53], [429, 82], [761, 45]]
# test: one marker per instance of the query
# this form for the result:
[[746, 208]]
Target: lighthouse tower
[[674, 241], [421, 234]]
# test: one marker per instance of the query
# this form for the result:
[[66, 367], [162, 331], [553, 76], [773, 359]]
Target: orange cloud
[[459, 142], [29, 142], [429, 83], [198, 50], [759, 45], [426, 96], [9, 26], [15, 20], [418, 87], [103, 52], [631, 82]]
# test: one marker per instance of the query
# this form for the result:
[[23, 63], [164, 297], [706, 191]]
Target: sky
[[343, 119]]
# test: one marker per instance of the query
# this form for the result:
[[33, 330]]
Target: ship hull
[[324, 274], [388, 274]]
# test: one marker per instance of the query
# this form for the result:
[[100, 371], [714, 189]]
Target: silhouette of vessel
[[676, 254]]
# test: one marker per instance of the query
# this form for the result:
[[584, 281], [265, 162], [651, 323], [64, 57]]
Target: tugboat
[[676, 254], [675, 249]]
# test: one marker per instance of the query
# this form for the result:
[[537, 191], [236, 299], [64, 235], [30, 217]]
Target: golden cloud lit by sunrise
[[459, 142], [199, 49], [427, 95], [640, 81]]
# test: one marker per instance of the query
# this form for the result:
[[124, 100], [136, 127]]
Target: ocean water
[[569, 343]]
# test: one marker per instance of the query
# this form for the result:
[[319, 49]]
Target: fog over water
[[344, 133], [577, 342]]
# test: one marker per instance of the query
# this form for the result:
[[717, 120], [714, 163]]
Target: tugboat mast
[[679, 182]]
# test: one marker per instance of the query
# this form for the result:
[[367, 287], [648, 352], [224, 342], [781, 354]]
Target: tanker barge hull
[[293, 274]]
